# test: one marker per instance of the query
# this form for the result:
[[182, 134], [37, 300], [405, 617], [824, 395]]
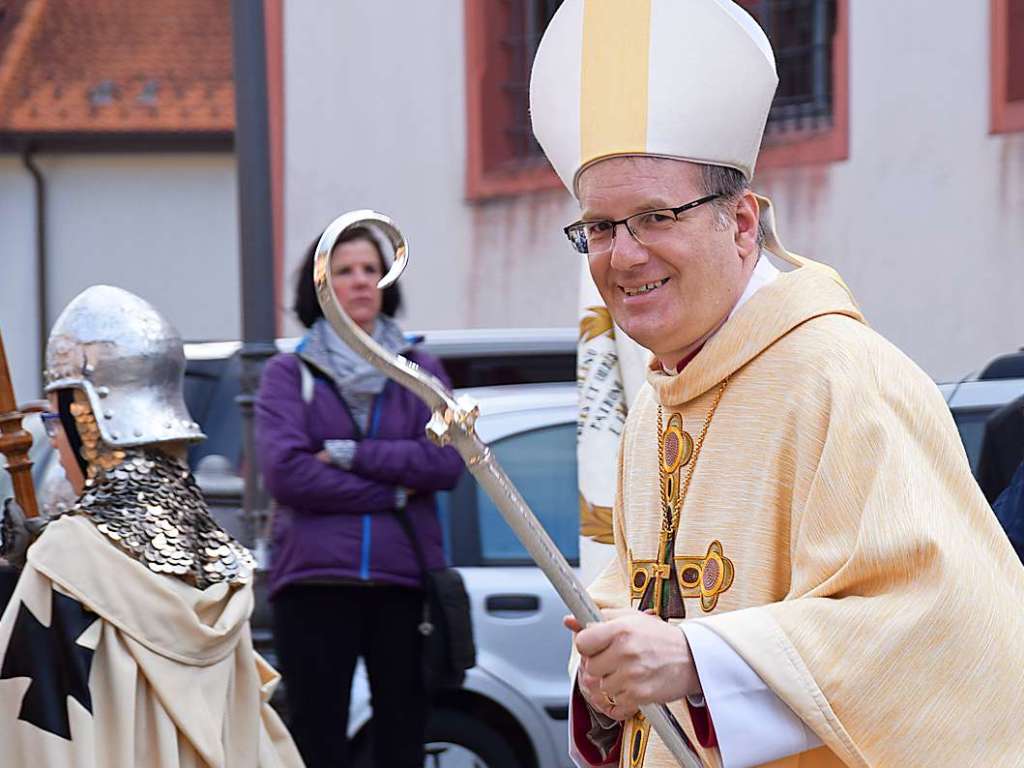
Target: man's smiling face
[[672, 296]]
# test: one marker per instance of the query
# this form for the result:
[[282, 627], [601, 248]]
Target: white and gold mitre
[[685, 79]]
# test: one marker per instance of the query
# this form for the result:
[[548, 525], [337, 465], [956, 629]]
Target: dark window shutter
[[1015, 50]]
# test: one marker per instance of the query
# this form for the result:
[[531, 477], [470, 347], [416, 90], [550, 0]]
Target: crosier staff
[[15, 441], [452, 422]]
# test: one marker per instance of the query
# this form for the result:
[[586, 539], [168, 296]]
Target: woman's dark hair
[[308, 308]]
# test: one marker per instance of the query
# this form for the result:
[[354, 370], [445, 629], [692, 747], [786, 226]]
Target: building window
[[801, 32], [808, 121], [501, 40], [1007, 79]]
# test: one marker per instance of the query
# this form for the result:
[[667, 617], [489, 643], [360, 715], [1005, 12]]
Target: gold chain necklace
[[672, 512]]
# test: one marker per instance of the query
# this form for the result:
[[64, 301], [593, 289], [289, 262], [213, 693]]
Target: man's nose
[[626, 251]]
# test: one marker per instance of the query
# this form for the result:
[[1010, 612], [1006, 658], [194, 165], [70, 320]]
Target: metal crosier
[[452, 423]]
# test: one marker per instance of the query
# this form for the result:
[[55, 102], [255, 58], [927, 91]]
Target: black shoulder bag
[[447, 626]]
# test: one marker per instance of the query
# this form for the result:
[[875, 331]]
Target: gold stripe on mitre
[[614, 77]]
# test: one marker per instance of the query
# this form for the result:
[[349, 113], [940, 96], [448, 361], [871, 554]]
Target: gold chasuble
[[106, 664], [829, 530]]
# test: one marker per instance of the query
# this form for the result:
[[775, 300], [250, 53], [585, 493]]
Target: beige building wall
[[18, 305], [163, 226], [375, 118], [925, 219]]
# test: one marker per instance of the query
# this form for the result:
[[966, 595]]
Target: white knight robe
[[105, 664]]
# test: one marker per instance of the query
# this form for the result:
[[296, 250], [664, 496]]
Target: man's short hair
[[729, 184]]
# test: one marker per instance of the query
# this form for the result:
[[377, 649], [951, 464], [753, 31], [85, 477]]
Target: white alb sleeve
[[752, 725]]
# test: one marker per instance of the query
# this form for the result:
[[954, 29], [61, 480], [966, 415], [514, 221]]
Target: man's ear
[[747, 218]]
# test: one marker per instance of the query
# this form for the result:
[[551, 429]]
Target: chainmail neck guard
[[150, 506]]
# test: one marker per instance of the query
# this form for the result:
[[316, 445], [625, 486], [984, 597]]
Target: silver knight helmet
[[117, 368], [128, 361]]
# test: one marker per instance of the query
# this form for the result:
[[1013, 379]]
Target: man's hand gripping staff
[[453, 423]]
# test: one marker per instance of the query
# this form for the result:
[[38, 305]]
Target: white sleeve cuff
[[753, 726]]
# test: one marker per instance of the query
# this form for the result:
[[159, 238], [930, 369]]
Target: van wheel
[[456, 740]]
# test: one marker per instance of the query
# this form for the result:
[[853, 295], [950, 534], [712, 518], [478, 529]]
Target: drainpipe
[[39, 183], [256, 241]]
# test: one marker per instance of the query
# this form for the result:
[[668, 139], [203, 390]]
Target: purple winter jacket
[[332, 523]]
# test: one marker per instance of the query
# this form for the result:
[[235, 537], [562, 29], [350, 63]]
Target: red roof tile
[[116, 66]]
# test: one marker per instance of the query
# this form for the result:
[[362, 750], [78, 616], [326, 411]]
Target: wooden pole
[[15, 441]]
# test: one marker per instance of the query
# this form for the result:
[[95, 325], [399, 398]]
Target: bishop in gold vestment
[[871, 587], [806, 573]]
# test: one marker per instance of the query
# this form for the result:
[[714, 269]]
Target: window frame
[[1005, 116], [483, 184], [808, 147]]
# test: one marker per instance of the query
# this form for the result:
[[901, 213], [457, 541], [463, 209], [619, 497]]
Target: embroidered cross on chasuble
[[661, 586]]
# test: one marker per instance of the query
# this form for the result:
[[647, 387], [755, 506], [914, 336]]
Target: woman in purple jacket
[[342, 448]]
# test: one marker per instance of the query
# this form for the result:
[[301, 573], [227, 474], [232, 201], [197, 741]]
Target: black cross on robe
[[56, 664]]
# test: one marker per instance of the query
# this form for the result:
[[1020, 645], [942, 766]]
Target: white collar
[[764, 274]]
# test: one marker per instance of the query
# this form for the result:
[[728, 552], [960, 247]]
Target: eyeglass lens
[[648, 228]]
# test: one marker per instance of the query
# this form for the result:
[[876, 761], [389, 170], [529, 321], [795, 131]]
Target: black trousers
[[319, 632]]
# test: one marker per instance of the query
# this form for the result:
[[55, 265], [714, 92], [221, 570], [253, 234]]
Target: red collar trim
[[686, 360]]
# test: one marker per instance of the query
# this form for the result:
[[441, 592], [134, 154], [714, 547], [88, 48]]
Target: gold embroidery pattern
[[676, 446], [674, 504], [640, 730], [597, 322], [596, 522], [641, 572], [705, 577]]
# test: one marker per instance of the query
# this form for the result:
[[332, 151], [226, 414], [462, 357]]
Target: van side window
[[542, 465], [971, 425]]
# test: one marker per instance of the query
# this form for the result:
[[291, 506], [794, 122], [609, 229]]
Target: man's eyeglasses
[[51, 423], [647, 228]]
